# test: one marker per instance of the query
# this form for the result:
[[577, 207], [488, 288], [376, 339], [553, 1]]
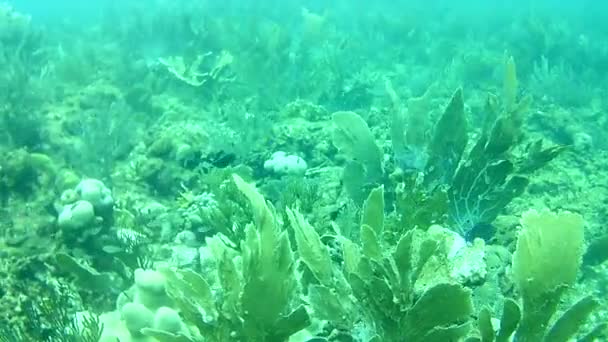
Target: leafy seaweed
[[353, 137], [466, 184], [572, 319], [372, 295], [448, 143], [255, 298], [86, 276], [228, 211], [417, 206], [409, 130], [511, 314], [312, 251], [373, 211], [490, 176]]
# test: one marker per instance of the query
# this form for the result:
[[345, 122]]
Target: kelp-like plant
[[379, 290], [371, 293], [475, 179], [254, 296], [491, 175], [225, 210], [258, 292]]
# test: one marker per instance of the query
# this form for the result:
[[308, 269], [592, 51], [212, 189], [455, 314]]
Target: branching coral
[[194, 74], [51, 319]]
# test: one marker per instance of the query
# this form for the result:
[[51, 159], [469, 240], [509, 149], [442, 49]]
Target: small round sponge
[[167, 319], [77, 215], [284, 164], [150, 288], [136, 317], [95, 192]]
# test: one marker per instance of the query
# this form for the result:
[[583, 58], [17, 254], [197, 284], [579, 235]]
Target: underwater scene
[[303, 171]]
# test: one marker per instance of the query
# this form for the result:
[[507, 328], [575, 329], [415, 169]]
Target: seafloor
[[279, 171]]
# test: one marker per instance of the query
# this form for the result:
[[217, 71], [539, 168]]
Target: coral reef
[[303, 172]]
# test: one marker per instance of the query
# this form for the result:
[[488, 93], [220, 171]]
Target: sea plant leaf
[[428, 248], [484, 323], [199, 311], [511, 315], [370, 243], [351, 254], [353, 137], [403, 261], [310, 248], [86, 276], [418, 109], [549, 251], [479, 193], [191, 287], [442, 306], [536, 156], [364, 169], [373, 211], [418, 207], [359, 287], [263, 217], [409, 148], [355, 181], [290, 324], [228, 276], [269, 286], [382, 296], [448, 143], [572, 320], [328, 304], [513, 107]]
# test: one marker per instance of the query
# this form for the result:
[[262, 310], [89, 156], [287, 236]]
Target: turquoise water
[[303, 171]]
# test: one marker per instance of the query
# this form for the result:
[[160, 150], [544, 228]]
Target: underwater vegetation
[[286, 172]]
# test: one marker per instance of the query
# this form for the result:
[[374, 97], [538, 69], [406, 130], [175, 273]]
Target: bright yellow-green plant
[[545, 265]]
